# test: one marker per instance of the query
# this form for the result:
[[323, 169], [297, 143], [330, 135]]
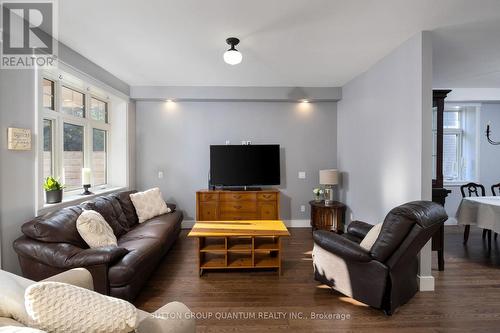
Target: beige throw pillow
[[61, 308], [371, 237], [149, 204], [94, 229]]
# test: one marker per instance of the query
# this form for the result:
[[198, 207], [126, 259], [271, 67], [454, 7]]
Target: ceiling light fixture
[[232, 56]]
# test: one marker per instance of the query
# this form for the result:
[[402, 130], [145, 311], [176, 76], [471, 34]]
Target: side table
[[327, 217]]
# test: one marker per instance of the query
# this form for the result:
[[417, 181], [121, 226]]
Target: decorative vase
[[52, 197], [317, 198]]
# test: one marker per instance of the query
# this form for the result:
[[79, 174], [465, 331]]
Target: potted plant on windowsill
[[53, 190]]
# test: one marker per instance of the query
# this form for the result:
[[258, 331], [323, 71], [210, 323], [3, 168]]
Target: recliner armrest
[[64, 255], [341, 246], [359, 228]]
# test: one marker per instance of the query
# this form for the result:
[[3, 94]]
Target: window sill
[[74, 197], [456, 183]]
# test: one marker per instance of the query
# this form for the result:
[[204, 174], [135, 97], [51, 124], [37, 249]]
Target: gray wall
[[383, 154], [17, 169], [175, 138], [384, 133]]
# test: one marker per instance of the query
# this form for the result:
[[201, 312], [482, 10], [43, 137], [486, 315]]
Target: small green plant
[[52, 184]]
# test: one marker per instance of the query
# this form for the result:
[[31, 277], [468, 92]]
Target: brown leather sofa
[[51, 244], [384, 277]]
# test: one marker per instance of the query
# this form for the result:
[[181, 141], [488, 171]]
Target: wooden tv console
[[219, 205]]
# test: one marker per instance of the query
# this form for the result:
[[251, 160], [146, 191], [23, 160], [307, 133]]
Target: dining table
[[483, 212]]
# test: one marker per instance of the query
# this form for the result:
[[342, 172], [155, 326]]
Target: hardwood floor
[[467, 296]]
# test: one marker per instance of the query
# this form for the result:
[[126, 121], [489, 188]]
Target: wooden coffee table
[[239, 244]]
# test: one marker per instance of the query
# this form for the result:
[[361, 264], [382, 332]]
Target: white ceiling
[[467, 55], [284, 42]]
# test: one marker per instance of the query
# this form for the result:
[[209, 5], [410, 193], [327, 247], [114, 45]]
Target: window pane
[[99, 156], [450, 156], [73, 102], [98, 110], [451, 119], [73, 155], [48, 157], [48, 94]]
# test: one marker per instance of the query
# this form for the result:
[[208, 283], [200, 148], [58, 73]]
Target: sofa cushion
[[149, 204], [13, 328], [95, 230], [159, 227], [57, 227], [110, 209], [12, 296], [127, 206], [143, 254], [59, 308]]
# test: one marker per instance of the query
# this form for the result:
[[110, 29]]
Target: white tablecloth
[[483, 212]]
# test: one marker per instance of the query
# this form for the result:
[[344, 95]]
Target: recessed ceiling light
[[169, 100], [304, 101], [232, 56]]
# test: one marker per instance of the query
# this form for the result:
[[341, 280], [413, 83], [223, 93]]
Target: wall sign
[[18, 138]]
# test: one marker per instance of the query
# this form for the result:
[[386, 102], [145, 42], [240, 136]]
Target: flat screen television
[[245, 165]]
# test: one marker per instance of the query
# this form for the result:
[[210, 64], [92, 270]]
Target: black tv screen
[[245, 165]]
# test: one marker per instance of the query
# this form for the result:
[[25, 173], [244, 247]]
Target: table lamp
[[328, 178]]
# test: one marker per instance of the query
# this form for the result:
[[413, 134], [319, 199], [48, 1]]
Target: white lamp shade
[[329, 177], [232, 57]]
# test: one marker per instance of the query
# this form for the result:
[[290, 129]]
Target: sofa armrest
[[64, 255], [359, 228], [174, 317], [341, 246], [79, 277], [172, 206]]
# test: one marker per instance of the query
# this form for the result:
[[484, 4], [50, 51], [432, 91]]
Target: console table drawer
[[225, 196], [266, 196], [238, 206], [238, 216], [207, 211], [209, 196], [220, 205]]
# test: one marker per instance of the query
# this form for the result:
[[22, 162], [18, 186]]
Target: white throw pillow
[[149, 204], [94, 229], [60, 308], [371, 237]]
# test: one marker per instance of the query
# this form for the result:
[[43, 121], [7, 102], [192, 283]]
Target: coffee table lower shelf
[[239, 252]]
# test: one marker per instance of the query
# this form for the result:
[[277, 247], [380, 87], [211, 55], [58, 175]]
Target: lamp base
[[86, 190], [328, 196]]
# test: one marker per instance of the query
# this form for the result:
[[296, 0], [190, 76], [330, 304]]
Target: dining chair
[[493, 187], [469, 190]]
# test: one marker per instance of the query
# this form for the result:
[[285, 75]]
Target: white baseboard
[[426, 283], [451, 221], [188, 224]]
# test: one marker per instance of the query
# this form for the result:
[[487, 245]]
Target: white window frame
[[463, 108], [459, 160], [58, 119]]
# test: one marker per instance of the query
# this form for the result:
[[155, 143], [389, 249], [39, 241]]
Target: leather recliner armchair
[[384, 277]]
